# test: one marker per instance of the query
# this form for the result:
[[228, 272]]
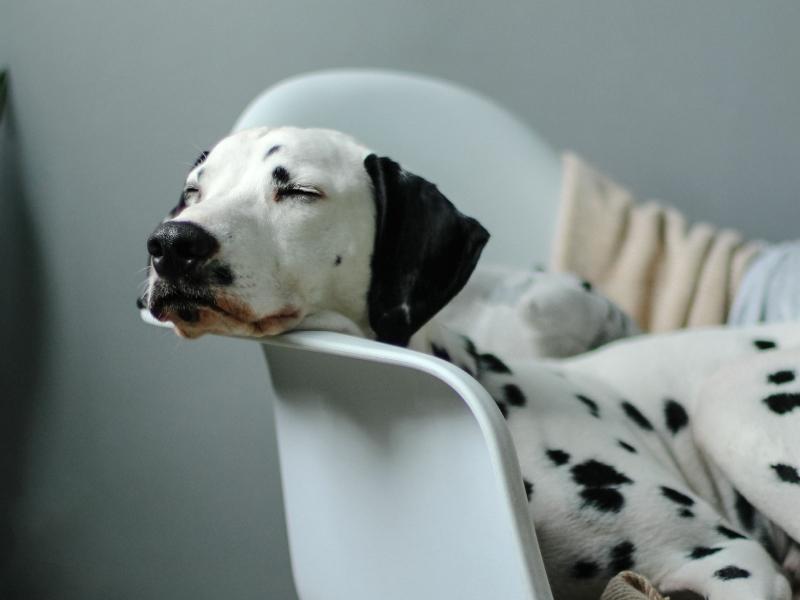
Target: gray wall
[[136, 466]]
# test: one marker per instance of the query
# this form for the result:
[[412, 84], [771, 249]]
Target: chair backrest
[[490, 164], [399, 475]]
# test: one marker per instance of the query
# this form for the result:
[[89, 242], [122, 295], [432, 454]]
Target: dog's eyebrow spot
[[272, 151], [281, 175]]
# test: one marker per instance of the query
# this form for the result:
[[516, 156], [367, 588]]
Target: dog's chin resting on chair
[[676, 455]]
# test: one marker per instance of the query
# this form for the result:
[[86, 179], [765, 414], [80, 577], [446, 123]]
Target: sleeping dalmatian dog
[[675, 455]]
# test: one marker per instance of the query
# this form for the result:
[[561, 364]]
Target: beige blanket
[[663, 271]]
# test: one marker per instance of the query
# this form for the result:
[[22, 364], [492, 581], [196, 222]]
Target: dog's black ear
[[425, 250]]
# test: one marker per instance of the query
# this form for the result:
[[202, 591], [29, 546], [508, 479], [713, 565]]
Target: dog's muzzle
[[182, 254]]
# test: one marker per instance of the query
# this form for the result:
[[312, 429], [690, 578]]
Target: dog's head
[[284, 228]]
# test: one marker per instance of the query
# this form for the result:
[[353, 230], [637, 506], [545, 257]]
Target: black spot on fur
[[585, 569], [528, 488], [781, 377], [764, 344], [272, 150], [469, 346], [627, 446], [636, 416], [686, 513], [787, 473], [603, 499], [491, 363], [590, 404], [676, 496], [514, 395], [731, 572], [559, 457], [201, 159], [502, 406], [338, 260], [745, 512], [782, 403], [730, 533], [675, 416], [703, 551], [440, 352], [281, 175], [592, 473], [621, 557], [586, 285]]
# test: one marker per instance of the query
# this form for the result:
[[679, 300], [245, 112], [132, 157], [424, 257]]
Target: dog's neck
[[329, 320]]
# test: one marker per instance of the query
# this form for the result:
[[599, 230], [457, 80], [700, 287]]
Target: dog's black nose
[[178, 248]]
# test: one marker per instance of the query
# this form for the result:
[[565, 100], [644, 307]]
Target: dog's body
[[621, 476], [629, 460]]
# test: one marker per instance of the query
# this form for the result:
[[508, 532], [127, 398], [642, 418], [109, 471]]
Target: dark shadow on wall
[[23, 321]]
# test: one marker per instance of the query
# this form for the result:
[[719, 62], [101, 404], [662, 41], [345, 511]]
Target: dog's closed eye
[[191, 195], [298, 191]]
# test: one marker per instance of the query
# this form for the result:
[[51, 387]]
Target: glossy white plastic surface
[[400, 478]]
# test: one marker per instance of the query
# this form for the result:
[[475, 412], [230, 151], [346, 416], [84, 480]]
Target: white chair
[[399, 475]]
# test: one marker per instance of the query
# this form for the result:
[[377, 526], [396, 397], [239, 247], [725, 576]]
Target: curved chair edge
[[502, 451]]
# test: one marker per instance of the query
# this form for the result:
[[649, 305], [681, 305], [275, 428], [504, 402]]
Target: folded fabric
[[532, 314], [770, 290], [663, 271]]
